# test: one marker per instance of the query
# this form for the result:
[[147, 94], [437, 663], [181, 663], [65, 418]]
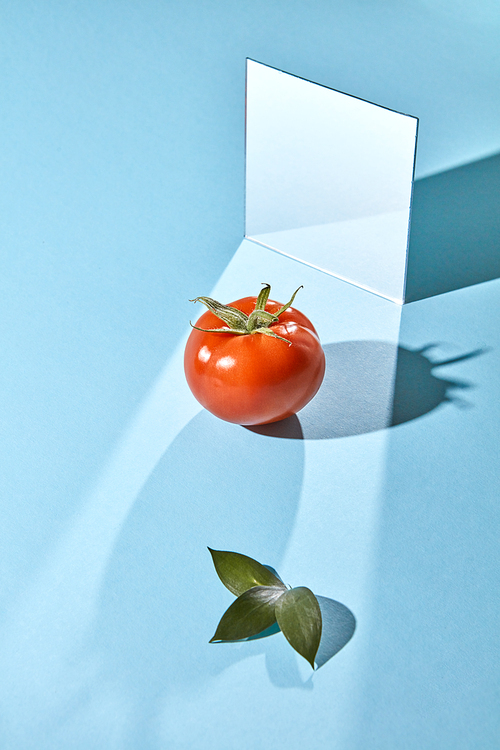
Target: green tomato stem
[[237, 322]]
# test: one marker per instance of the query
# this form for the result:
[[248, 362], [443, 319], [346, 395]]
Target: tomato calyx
[[237, 322]]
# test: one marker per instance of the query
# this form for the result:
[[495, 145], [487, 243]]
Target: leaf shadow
[[282, 662], [338, 628], [272, 630], [339, 625]]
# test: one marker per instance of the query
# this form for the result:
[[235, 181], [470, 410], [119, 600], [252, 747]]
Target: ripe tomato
[[253, 379]]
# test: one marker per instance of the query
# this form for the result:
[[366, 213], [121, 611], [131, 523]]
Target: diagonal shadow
[[455, 230], [160, 599]]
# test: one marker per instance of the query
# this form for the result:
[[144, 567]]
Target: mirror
[[329, 179]]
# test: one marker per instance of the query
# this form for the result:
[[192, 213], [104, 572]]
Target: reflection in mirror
[[329, 179]]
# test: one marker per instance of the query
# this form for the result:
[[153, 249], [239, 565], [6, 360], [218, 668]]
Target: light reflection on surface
[[204, 354], [290, 326], [225, 363]]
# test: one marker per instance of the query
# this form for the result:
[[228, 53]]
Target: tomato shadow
[[370, 386], [161, 599]]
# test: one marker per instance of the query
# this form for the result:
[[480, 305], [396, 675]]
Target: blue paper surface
[[122, 198]]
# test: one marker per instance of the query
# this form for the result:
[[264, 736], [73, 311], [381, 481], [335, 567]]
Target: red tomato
[[254, 379]]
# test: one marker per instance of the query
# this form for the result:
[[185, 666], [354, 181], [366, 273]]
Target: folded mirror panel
[[329, 179]]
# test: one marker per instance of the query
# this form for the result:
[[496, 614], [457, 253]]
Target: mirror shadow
[[455, 230], [370, 386], [161, 598]]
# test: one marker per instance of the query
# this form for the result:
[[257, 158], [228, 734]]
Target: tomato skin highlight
[[255, 379]]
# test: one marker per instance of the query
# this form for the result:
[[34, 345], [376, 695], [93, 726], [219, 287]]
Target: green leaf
[[259, 319], [239, 573], [263, 297], [267, 332], [250, 614], [234, 318], [219, 330], [299, 617], [289, 303]]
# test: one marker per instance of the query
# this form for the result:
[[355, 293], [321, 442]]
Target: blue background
[[122, 133]]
